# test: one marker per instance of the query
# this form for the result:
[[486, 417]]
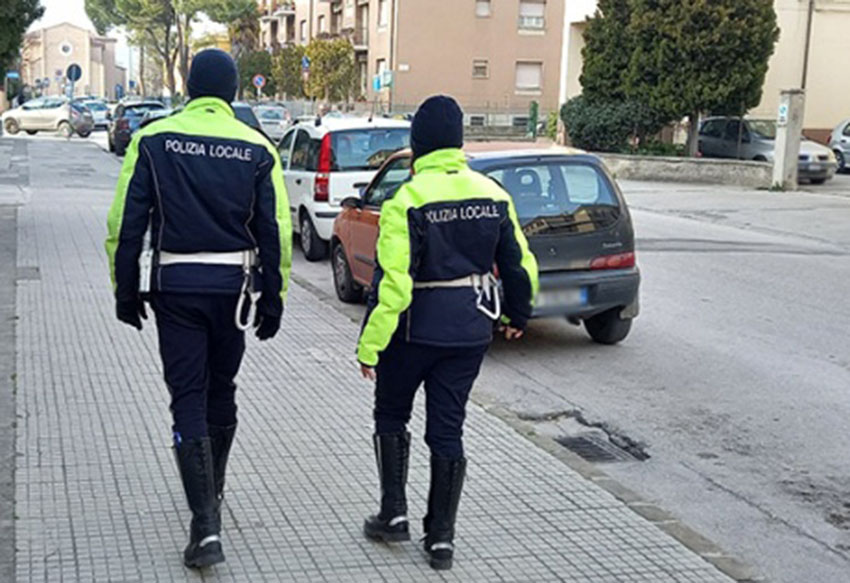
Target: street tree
[[15, 17], [242, 20], [698, 56], [333, 74], [286, 69], [607, 52], [252, 64]]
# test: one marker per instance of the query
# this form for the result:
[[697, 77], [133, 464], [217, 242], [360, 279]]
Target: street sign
[[119, 91], [783, 115], [305, 63], [132, 84], [74, 72], [376, 83], [259, 81], [13, 75], [58, 74], [46, 82]]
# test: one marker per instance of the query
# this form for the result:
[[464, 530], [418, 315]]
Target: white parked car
[[273, 119], [326, 160]]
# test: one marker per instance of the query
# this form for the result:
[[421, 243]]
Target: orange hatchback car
[[572, 212]]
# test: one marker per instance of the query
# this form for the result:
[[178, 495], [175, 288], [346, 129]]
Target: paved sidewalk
[[98, 498]]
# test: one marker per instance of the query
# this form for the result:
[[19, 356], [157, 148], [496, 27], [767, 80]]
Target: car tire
[[84, 134], [313, 247], [760, 159], [817, 180], [11, 126], [65, 130], [109, 143], [608, 327], [119, 150], [32, 132], [347, 290], [842, 161]]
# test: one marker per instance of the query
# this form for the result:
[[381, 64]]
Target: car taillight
[[617, 261], [321, 188]]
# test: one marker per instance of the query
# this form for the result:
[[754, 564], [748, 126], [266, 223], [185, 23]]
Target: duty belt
[[486, 288], [246, 259]]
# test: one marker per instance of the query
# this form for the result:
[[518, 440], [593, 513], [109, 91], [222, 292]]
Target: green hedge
[[608, 126]]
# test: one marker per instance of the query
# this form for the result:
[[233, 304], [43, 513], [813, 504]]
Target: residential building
[[494, 56], [827, 87], [46, 54]]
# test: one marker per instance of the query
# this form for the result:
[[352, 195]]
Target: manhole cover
[[595, 449]]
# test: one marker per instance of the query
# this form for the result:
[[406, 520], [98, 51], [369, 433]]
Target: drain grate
[[595, 449]]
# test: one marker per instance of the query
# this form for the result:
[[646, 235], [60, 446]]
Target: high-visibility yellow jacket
[[201, 181], [447, 222]]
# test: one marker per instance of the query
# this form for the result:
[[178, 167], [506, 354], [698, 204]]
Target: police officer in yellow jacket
[[431, 316], [209, 190]]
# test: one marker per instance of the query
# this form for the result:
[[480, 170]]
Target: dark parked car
[[245, 114], [570, 208], [126, 120]]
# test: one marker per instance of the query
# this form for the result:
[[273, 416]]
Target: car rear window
[[366, 149], [141, 109], [96, 106], [560, 197], [271, 114]]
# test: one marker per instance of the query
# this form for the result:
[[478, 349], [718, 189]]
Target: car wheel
[[119, 150], [842, 162], [65, 130], [109, 143], [817, 180], [608, 327], [760, 159], [32, 132], [84, 134], [12, 127], [347, 290], [313, 247]]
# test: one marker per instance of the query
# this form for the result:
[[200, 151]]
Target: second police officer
[[430, 318], [211, 191]]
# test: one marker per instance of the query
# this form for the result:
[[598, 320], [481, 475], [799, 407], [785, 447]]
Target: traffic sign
[[74, 72], [259, 81], [58, 74], [46, 82], [305, 63], [132, 84], [13, 75], [119, 91]]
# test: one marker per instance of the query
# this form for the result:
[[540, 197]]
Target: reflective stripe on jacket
[[204, 182], [445, 223]]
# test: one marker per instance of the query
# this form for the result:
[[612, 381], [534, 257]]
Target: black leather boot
[[194, 458], [390, 524], [443, 501], [221, 438]]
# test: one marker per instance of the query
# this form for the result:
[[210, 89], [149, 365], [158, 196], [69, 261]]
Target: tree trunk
[[693, 134], [142, 84]]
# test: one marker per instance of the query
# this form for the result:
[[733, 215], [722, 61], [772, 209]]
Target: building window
[[532, 15], [519, 122], [380, 66], [322, 28], [303, 30], [529, 77], [480, 69], [476, 120], [383, 12], [482, 8], [66, 48]]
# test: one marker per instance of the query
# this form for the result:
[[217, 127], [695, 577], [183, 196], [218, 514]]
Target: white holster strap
[[246, 259], [486, 288]]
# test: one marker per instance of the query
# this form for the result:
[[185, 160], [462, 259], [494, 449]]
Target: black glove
[[131, 312], [266, 325]]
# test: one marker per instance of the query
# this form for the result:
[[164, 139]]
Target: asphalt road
[[734, 380]]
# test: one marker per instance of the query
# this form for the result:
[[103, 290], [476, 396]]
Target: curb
[[706, 549]]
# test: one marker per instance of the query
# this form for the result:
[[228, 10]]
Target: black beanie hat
[[213, 74], [438, 124]]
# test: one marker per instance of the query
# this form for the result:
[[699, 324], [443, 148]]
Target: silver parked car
[[754, 139], [273, 119], [99, 111], [49, 114], [839, 141]]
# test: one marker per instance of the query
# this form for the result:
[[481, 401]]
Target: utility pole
[[807, 48]]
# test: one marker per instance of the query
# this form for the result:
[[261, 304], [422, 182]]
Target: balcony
[[285, 9], [360, 38], [532, 22]]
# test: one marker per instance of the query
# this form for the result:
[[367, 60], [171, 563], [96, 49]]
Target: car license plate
[[815, 168], [562, 298]]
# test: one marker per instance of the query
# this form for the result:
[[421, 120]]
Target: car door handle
[[298, 181]]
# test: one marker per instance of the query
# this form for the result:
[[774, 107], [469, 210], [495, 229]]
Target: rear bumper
[[599, 291], [817, 170]]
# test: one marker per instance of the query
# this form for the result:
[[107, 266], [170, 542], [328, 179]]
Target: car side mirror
[[353, 202], [109, 115]]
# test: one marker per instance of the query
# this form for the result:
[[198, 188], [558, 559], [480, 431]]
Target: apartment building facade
[[46, 54], [827, 85], [494, 56]]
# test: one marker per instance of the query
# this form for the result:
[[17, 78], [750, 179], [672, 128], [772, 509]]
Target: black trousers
[[448, 374], [201, 351]]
